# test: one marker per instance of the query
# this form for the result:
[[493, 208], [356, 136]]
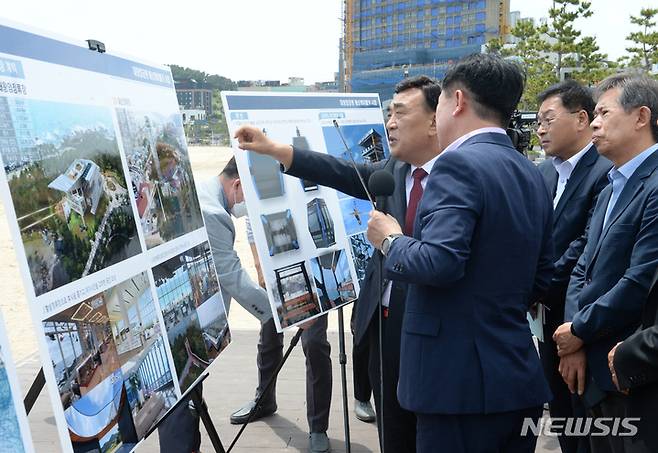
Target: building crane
[[348, 43]]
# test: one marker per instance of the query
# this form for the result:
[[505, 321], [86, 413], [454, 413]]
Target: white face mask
[[239, 209]]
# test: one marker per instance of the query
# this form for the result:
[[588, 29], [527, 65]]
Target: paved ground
[[230, 384]]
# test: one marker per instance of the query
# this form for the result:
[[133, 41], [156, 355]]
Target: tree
[[645, 49], [530, 49], [562, 33], [213, 81], [548, 49], [592, 64]]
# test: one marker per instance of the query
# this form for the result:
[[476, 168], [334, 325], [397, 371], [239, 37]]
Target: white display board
[[102, 206], [14, 429], [307, 236]]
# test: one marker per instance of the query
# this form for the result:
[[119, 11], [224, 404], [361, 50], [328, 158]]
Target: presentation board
[[110, 240], [310, 239]]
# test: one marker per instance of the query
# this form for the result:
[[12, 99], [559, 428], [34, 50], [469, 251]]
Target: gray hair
[[637, 90]]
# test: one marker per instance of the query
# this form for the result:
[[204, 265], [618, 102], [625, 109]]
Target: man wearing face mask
[[221, 197]]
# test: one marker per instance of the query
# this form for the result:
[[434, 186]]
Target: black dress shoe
[[241, 416]]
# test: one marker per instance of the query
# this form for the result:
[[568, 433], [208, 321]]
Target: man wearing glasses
[[574, 173]]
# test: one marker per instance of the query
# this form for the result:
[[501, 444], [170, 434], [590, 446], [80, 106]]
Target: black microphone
[[381, 185]]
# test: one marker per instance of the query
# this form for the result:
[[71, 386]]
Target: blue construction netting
[[387, 58], [383, 80], [401, 38]]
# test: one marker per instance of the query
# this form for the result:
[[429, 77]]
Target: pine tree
[[645, 49]]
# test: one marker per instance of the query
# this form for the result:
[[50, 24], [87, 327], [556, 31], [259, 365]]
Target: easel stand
[[342, 357], [270, 383], [268, 387]]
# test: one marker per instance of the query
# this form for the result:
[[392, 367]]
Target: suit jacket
[[233, 278], [482, 250], [636, 365], [339, 174], [611, 282], [571, 219]]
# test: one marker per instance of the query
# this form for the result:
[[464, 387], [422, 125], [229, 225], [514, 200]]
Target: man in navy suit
[[412, 135], [574, 173], [611, 282], [481, 250]]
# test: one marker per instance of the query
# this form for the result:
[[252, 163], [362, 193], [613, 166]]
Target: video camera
[[520, 130]]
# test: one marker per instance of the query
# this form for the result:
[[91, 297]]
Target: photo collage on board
[[306, 234], [367, 144], [302, 286]]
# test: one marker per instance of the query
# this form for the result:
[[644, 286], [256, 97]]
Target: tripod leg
[[35, 390], [201, 406], [343, 375]]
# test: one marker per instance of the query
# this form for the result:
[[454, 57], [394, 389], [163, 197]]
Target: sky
[[239, 39], [253, 39]]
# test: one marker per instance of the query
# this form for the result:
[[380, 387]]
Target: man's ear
[[432, 130], [643, 117], [460, 102], [583, 120]]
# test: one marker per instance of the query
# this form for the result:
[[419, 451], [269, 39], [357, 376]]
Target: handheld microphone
[[349, 154], [381, 185]]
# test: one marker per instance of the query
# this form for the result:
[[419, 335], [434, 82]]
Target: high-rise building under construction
[[387, 40]]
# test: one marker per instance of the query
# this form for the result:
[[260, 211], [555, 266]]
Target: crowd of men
[[475, 236]]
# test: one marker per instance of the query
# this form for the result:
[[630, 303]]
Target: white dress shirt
[[618, 178], [483, 130], [564, 169], [408, 184]]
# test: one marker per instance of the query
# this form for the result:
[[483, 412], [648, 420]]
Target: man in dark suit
[[611, 282], [633, 364], [412, 137], [574, 173], [481, 251]]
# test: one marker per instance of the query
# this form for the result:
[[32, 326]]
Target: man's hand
[[567, 343], [611, 365], [572, 368], [253, 139], [380, 226]]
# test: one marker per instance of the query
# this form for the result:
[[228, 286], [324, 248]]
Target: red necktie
[[414, 197]]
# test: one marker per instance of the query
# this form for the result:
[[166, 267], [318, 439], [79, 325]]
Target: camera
[[520, 130]]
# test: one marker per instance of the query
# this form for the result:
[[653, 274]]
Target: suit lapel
[[596, 224], [632, 188], [400, 194], [577, 176]]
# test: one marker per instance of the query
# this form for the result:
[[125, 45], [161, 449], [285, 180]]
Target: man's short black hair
[[574, 96], [231, 169], [495, 85], [431, 89]]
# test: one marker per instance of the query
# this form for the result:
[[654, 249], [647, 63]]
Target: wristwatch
[[388, 241]]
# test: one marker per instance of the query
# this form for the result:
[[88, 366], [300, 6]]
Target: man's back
[[485, 218]]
